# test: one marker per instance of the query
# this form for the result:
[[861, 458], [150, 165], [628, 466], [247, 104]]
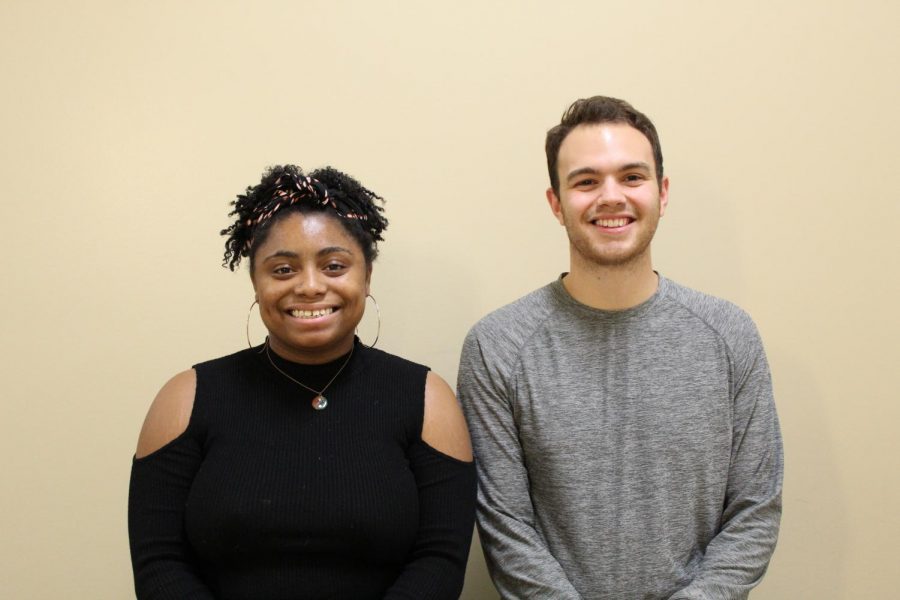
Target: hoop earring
[[378, 331], [250, 312]]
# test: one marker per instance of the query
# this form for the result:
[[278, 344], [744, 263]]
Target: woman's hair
[[285, 189]]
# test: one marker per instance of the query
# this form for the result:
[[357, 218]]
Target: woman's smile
[[308, 315], [311, 280]]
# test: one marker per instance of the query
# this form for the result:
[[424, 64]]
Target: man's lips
[[612, 222]]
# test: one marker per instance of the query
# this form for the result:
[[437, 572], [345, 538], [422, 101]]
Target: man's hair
[[593, 111]]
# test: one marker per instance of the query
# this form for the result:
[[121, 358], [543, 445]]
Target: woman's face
[[311, 281]]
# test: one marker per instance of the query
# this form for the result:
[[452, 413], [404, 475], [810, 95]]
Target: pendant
[[319, 402]]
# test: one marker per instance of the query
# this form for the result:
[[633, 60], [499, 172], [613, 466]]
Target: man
[[627, 441]]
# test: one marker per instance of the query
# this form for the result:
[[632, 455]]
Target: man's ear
[[555, 206], [663, 195]]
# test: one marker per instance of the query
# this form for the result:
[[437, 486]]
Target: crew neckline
[[562, 294]]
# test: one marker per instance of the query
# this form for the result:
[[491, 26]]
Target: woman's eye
[[282, 270], [334, 267]]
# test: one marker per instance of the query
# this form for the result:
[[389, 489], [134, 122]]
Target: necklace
[[320, 401]]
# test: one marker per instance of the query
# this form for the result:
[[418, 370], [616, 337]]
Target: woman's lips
[[311, 314]]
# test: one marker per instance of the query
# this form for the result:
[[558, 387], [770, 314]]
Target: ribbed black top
[[263, 497]]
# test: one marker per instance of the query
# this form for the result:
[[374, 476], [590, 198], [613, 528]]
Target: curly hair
[[285, 189], [593, 111]]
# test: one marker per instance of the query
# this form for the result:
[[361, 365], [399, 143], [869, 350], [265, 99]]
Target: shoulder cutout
[[444, 427], [169, 414]]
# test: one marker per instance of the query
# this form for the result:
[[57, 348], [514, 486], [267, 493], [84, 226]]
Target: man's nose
[[610, 192]]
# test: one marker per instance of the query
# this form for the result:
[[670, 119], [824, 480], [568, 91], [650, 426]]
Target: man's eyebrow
[[582, 171], [637, 165]]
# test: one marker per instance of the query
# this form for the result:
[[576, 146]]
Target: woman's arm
[[163, 469], [445, 476]]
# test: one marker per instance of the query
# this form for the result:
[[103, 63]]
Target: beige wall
[[128, 126]]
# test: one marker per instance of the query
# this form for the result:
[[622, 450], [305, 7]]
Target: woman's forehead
[[310, 231]]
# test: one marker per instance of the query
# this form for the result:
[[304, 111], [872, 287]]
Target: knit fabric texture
[[631, 455], [265, 497]]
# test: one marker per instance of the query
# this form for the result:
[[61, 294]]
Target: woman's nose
[[310, 283]]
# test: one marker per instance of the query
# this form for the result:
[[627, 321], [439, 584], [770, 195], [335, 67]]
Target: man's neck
[[617, 287]]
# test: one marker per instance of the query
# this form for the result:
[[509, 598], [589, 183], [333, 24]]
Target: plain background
[[127, 127]]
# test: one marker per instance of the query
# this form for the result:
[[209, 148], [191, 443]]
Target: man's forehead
[[615, 142]]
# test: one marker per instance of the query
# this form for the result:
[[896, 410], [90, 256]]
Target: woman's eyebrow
[[282, 254], [292, 254], [332, 249]]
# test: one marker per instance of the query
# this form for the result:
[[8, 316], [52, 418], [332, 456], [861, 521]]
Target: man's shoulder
[[518, 319], [497, 340], [728, 320]]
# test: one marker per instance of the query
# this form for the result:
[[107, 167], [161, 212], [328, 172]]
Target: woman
[[311, 466]]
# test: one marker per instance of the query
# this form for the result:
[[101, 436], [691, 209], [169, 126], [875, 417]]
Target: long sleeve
[[737, 557], [437, 562], [505, 513], [161, 558]]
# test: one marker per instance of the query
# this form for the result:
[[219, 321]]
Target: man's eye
[[585, 182], [634, 177]]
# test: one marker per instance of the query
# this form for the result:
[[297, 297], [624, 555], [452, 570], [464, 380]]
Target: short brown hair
[[593, 111]]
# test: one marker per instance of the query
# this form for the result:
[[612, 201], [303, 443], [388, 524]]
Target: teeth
[[311, 314], [612, 222]]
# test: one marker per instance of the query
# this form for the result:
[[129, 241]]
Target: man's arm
[[736, 558], [519, 561]]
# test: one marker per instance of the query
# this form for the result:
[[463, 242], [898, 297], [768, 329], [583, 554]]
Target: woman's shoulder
[[392, 365], [231, 360], [443, 424], [439, 421], [381, 356], [169, 413]]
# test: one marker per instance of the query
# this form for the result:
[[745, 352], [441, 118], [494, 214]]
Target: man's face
[[609, 199]]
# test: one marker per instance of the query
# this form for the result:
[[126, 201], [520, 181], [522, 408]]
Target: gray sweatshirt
[[631, 455]]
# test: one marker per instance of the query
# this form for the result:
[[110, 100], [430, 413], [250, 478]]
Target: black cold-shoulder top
[[263, 497]]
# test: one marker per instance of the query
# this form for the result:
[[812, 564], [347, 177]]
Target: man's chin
[[613, 257]]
